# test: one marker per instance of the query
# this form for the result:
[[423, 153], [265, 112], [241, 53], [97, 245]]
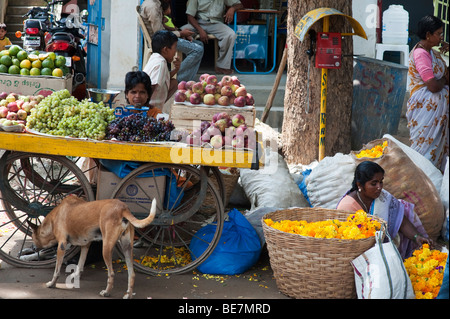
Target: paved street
[[256, 283]]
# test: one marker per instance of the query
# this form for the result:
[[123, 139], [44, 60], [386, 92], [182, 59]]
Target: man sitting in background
[[206, 16]]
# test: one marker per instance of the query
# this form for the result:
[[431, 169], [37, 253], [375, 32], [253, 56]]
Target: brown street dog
[[78, 222]]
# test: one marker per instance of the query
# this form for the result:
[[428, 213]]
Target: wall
[[366, 13], [120, 50]]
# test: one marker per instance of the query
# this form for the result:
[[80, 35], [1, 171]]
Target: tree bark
[[300, 132]]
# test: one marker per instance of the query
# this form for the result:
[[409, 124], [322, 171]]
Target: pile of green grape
[[63, 115]]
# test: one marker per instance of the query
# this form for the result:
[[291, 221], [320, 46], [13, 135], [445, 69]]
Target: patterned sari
[[427, 113], [392, 210]]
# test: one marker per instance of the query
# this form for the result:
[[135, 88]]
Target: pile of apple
[[210, 91], [224, 131], [15, 108]]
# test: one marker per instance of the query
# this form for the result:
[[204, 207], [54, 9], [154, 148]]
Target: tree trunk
[[300, 133]]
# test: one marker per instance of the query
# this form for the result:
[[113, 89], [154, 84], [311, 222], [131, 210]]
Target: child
[[138, 90], [167, 20], [4, 41], [164, 45]]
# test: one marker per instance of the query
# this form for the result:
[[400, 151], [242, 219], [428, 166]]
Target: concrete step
[[18, 10], [35, 3], [260, 86]]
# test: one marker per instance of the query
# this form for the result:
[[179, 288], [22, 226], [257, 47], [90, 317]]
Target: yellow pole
[[323, 100]]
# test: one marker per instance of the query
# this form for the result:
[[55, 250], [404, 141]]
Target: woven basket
[[229, 181], [308, 267]]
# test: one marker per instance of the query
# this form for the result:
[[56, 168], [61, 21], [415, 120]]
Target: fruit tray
[[11, 128], [233, 107]]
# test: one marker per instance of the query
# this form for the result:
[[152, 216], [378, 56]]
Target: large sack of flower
[[330, 180], [405, 180], [433, 173]]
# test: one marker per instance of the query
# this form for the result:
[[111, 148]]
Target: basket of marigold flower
[[310, 250], [426, 270]]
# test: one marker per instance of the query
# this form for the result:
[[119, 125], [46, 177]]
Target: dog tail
[[140, 223]]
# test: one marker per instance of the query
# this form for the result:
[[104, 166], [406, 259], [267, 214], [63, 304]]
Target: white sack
[[272, 186], [330, 180]]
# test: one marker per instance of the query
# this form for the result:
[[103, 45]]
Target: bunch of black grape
[[139, 128]]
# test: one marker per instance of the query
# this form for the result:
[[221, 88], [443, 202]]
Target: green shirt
[[209, 10]]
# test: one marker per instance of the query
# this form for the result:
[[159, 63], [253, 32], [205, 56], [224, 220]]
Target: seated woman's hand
[[423, 240]]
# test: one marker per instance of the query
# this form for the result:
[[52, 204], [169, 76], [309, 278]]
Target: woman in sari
[[427, 112], [403, 224]]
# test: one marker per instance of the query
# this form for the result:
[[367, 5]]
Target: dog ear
[[34, 227]]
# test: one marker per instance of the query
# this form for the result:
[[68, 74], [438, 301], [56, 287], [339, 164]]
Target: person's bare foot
[[224, 71]]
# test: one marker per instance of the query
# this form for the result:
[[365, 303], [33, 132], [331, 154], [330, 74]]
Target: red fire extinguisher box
[[329, 52]]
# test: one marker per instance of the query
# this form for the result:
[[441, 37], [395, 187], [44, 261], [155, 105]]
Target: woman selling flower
[[367, 194], [427, 112]]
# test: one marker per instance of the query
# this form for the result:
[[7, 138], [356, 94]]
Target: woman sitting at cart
[[367, 193], [138, 91]]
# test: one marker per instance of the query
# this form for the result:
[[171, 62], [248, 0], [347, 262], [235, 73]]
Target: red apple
[[19, 103], [239, 101], [211, 79], [11, 98], [195, 98], [235, 80], [180, 96], [3, 111], [12, 116], [209, 99], [21, 114], [210, 89], [249, 100], [203, 77], [226, 80], [238, 120], [189, 85], [221, 115], [223, 100], [205, 138], [212, 130], [27, 107], [226, 90], [217, 141], [198, 88], [222, 125], [12, 107], [182, 85], [241, 91]]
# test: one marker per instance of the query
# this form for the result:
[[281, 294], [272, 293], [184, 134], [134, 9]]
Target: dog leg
[[59, 259], [126, 242], [82, 260], [107, 257]]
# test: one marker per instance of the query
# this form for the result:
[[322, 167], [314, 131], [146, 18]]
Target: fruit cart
[[38, 171]]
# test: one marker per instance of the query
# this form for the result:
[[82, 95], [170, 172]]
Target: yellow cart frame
[[24, 151]]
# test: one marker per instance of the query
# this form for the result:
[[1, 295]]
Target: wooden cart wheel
[[31, 185], [163, 247]]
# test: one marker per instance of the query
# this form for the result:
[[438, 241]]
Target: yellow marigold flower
[[357, 226], [426, 271], [374, 152]]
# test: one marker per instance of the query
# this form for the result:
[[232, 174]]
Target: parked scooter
[[34, 28], [65, 39]]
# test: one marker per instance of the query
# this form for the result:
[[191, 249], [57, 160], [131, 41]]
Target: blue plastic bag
[[238, 249]]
